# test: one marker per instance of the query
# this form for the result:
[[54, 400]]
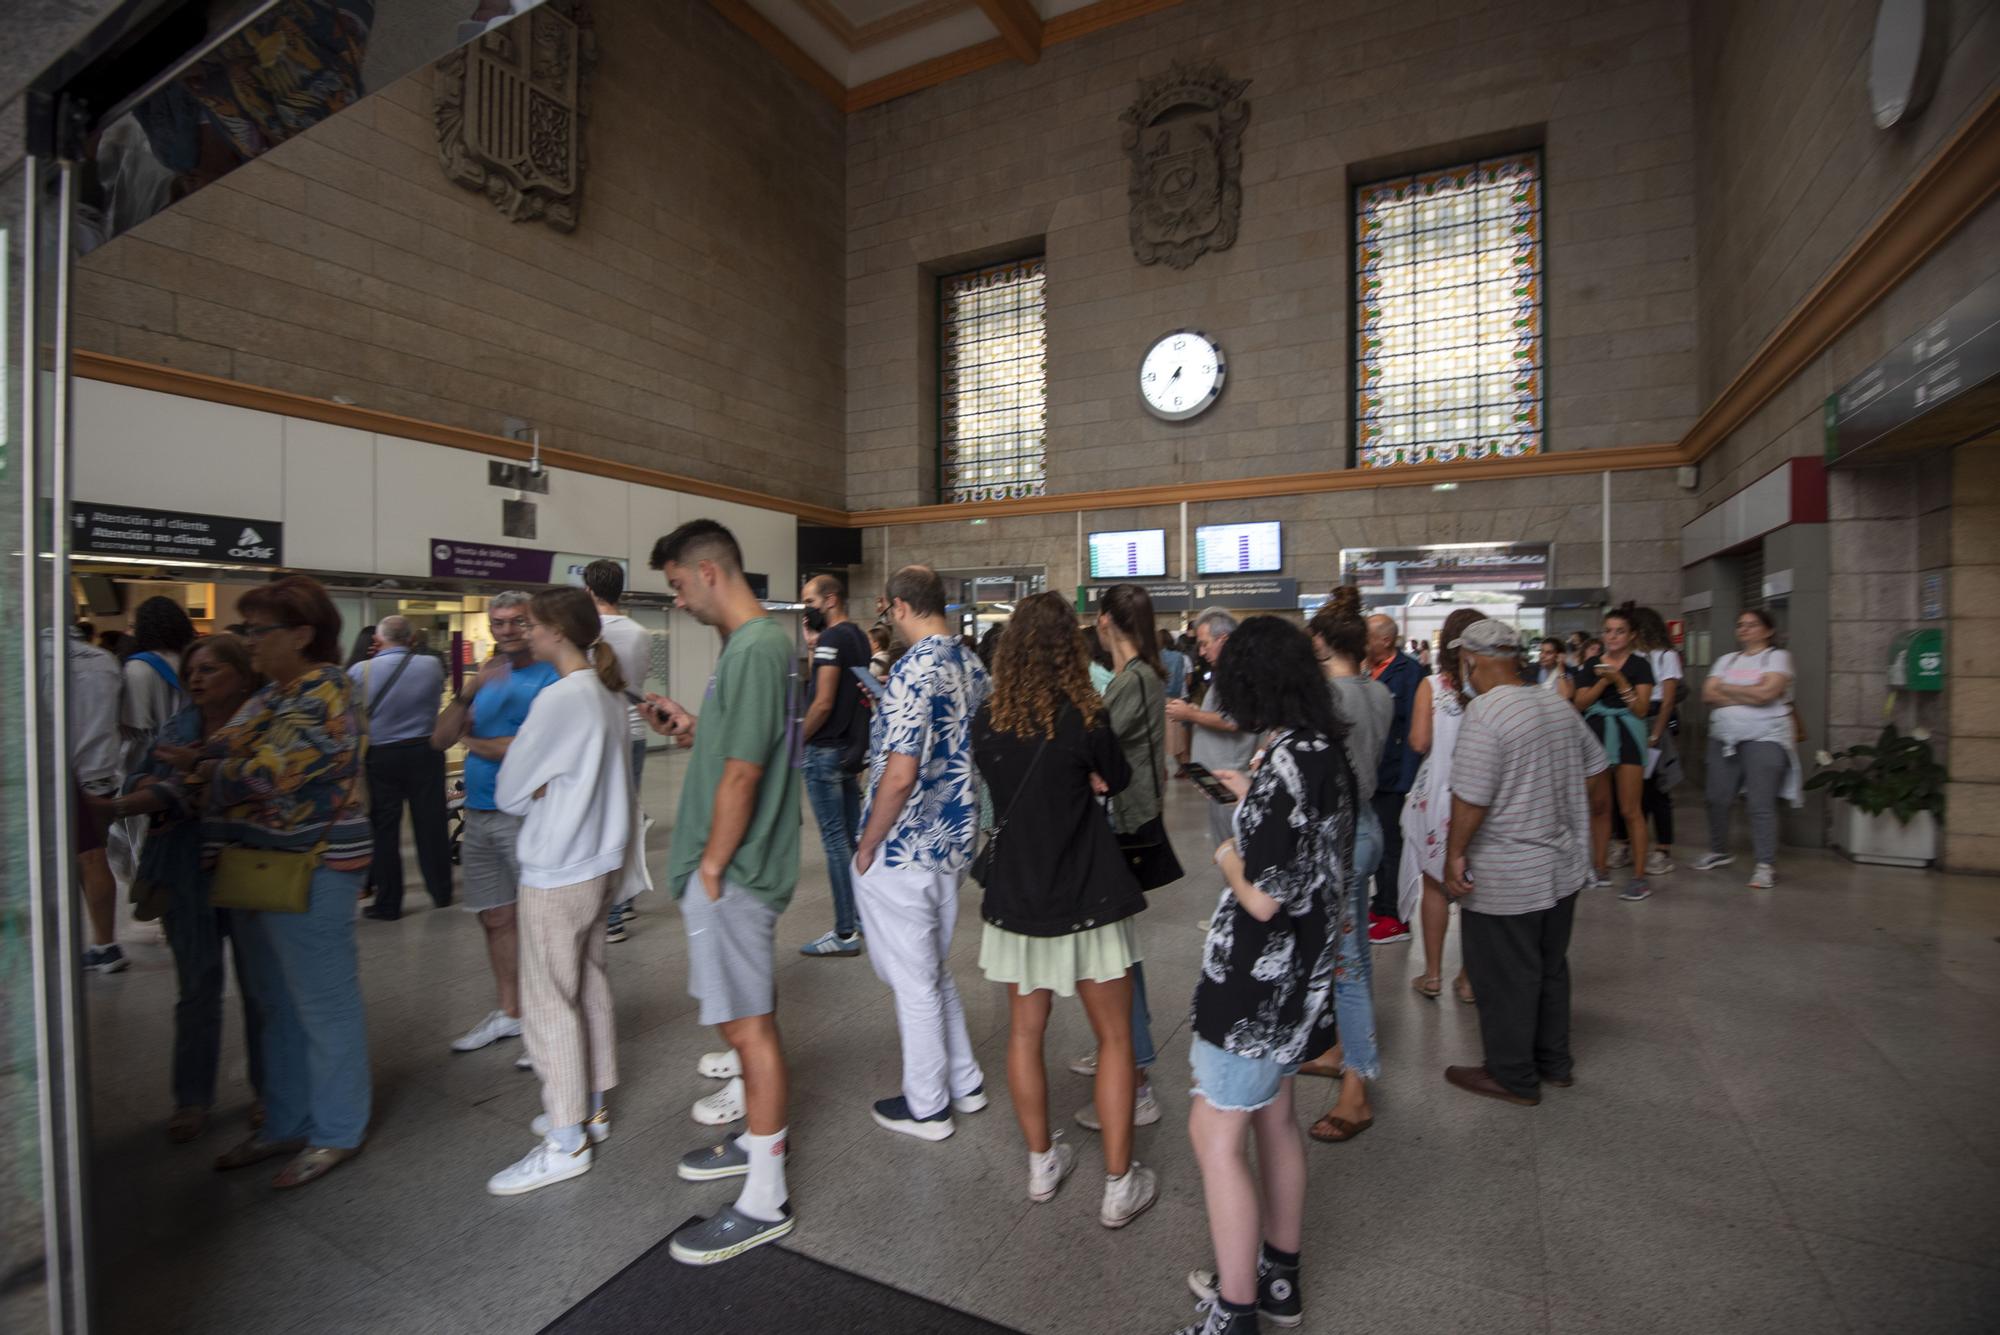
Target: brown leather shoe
[[1563, 1083], [1476, 1080]]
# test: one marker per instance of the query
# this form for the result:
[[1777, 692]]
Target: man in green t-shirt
[[733, 866]]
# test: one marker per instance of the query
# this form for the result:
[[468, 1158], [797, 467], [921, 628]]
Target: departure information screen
[[1139, 553], [1237, 549]]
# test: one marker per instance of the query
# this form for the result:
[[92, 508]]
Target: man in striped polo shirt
[[1524, 774]]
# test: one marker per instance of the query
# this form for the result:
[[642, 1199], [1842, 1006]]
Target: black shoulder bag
[[982, 865], [1148, 851]]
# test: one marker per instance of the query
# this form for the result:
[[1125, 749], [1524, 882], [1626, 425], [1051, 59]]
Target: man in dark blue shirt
[[1388, 664]]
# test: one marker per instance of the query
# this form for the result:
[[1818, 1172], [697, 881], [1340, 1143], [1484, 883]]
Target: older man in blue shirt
[[398, 690]]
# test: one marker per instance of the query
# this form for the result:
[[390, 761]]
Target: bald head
[[1381, 638], [393, 629]]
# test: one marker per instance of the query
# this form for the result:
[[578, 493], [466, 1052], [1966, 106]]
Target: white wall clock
[[1182, 375]]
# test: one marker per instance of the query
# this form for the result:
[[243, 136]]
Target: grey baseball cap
[[1488, 637]]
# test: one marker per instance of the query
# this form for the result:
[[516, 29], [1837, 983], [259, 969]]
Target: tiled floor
[[1783, 1121]]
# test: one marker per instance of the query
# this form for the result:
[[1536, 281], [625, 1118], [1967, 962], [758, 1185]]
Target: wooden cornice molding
[[234, 393], [1955, 184], [928, 74], [782, 48], [1020, 25], [857, 37], [1094, 18]]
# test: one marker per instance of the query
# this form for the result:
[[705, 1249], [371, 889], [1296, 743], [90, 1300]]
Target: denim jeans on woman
[[836, 802], [1353, 977], [195, 933], [305, 977]]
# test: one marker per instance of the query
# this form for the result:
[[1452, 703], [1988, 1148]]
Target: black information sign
[[1955, 353], [1237, 594], [180, 535]]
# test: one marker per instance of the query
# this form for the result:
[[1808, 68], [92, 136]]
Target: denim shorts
[[1234, 1083]]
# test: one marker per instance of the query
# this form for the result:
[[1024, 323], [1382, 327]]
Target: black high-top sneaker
[[1279, 1300], [1219, 1320]]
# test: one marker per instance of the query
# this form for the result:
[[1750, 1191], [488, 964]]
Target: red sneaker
[[1385, 931]]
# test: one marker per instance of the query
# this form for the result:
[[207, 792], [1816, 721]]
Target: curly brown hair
[[1447, 657], [1039, 664]]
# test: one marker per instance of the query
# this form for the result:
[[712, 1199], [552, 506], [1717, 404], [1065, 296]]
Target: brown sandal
[[1333, 1130], [1329, 1069], [1461, 988], [1427, 987], [311, 1165]]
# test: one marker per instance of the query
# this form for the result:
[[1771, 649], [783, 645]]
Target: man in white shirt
[[161, 633], [633, 648], [96, 691]]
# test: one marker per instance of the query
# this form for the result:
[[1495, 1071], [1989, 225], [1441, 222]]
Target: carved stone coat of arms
[[510, 111], [1184, 138]]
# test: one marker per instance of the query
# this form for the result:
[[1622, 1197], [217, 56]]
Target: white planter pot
[[1885, 841]]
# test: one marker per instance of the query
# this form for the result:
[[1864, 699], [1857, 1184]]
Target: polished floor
[[1783, 1121]]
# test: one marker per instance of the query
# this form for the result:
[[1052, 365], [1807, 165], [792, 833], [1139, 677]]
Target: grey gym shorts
[[730, 960], [489, 870]]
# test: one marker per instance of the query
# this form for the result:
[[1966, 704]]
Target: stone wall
[[694, 321], [1972, 651], [1343, 91]]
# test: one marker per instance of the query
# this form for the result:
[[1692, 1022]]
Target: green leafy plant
[[1898, 774]]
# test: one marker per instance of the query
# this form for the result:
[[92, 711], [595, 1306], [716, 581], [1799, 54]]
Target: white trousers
[[909, 914]]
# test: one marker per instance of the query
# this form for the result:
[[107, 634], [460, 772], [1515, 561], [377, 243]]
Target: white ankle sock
[[764, 1194], [568, 1139]]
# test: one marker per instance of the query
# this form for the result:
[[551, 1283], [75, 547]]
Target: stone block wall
[[694, 322], [1972, 648]]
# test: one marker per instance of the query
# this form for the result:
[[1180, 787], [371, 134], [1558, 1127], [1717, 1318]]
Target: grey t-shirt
[[1366, 707], [1214, 749], [1523, 753]]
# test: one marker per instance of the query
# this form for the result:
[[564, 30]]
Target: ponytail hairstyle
[[573, 614], [1340, 626], [1447, 657], [1130, 608]]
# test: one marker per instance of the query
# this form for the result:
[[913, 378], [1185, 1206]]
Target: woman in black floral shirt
[[1264, 1003]]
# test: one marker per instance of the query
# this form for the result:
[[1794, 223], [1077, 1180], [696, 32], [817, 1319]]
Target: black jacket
[[1398, 770], [1056, 868]]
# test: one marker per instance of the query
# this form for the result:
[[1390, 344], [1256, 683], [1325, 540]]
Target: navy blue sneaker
[[894, 1115], [105, 959]]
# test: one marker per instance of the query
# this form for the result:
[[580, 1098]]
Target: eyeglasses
[[255, 632]]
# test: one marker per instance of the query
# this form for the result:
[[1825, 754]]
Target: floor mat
[[763, 1291]]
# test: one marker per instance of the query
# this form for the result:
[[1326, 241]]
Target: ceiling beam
[[787, 52], [1020, 27]]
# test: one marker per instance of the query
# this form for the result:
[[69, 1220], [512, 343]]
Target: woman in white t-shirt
[[1750, 744]]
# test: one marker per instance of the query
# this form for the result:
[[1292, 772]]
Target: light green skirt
[[1055, 963]]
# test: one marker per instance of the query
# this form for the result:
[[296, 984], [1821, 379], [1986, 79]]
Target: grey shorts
[[730, 960], [489, 870]]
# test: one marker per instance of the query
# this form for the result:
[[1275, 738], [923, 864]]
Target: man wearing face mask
[[836, 732]]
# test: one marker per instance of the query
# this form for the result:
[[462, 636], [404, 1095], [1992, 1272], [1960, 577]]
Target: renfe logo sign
[[178, 535]]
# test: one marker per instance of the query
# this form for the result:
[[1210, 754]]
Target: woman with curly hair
[[1434, 719], [1059, 898]]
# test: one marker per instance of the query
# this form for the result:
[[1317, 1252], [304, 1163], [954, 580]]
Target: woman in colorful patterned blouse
[[286, 775], [1264, 1004]]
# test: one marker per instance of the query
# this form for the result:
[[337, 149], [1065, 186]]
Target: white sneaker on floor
[[598, 1127], [1047, 1171], [1598, 881], [1620, 855], [974, 1102], [496, 1026], [722, 1107], [1128, 1197], [1763, 877], [1710, 861], [1145, 1111], [545, 1165], [523, 1063], [1658, 863], [1085, 1065], [725, 1065]]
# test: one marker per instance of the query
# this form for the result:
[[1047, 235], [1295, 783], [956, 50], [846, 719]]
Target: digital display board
[[1139, 553], [1238, 549]]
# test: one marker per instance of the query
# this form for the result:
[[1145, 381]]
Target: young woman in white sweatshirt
[[568, 772]]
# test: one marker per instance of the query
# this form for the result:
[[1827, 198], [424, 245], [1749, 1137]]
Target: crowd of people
[[1356, 797]]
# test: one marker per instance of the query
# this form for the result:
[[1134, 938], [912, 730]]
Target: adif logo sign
[[250, 546]]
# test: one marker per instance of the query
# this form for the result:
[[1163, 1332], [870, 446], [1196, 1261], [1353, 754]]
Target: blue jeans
[[306, 981], [836, 804], [1353, 972], [195, 934], [1143, 1054]]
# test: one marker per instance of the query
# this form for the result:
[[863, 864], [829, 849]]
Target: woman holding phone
[[1613, 689]]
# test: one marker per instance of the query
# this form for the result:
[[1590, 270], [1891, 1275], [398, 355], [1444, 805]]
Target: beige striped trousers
[[565, 996]]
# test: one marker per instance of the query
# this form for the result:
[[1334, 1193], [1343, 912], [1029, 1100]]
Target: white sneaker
[[496, 1026], [1620, 854], [1658, 863], [1763, 876], [1145, 1111], [722, 1107], [598, 1127], [1710, 861], [726, 1065], [544, 1165], [1085, 1065], [1047, 1171], [1128, 1197], [524, 1063], [974, 1102], [1598, 881]]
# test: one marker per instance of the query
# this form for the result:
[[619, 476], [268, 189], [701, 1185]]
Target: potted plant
[[1892, 797]]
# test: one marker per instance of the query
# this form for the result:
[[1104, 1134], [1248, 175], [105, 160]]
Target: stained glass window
[[1449, 348], [993, 382]]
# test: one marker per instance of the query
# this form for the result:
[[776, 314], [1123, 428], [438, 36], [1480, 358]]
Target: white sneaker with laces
[[1658, 863], [1710, 861], [722, 1107], [496, 1026], [1047, 1171], [1128, 1197], [1085, 1065], [545, 1165], [1763, 876], [1145, 1111], [597, 1127], [1620, 855], [721, 1065]]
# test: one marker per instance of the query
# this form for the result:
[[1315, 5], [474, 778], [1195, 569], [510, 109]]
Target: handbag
[[982, 865], [277, 880], [1148, 851]]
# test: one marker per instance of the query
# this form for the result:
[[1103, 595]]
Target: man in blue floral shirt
[[917, 829]]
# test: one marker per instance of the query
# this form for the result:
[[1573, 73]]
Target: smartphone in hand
[[1217, 791]]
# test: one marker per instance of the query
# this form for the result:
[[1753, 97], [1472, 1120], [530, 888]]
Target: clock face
[[1182, 375]]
